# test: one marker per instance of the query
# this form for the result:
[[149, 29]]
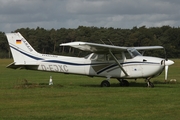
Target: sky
[[125, 14]]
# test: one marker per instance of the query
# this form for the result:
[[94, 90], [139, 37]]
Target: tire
[[124, 83], [151, 84], [105, 83]]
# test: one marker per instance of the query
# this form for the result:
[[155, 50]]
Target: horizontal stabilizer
[[13, 66], [22, 66]]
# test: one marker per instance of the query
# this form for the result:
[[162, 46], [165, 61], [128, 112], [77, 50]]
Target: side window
[[101, 57], [105, 57], [109, 57], [98, 57], [94, 56], [117, 55]]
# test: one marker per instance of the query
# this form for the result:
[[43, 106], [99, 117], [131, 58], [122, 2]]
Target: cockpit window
[[104, 57], [98, 57], [94, 56], [133, 52], [87, 56], [130, 53]]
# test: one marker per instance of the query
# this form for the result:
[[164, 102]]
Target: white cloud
[[56, 14]]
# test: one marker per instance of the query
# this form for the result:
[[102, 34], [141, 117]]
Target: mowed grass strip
[[25, 94]]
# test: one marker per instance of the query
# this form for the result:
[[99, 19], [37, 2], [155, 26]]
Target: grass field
[[24, 94]]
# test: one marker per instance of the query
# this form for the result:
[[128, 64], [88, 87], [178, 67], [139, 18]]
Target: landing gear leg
[[149, 83], [123, 82]]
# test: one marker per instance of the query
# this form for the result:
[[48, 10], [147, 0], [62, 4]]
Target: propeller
[[166, 71], [167, 63]]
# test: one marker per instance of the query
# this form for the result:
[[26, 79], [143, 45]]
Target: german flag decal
[[18, 41]]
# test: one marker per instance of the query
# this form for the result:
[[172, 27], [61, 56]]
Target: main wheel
[[124, 83], [105, 83], [151, 84]]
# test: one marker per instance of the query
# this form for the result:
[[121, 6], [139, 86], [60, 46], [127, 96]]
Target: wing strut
[[118, 63]]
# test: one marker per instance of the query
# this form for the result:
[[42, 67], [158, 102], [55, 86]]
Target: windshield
[[133, 52]]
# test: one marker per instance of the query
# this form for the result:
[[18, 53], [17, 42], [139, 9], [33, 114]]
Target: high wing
[[148, 47], [94, 47], [103, 48]]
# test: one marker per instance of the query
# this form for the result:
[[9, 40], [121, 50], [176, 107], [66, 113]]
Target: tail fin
[[23, 53]]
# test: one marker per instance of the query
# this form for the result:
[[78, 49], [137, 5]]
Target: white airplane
[[107, 61]]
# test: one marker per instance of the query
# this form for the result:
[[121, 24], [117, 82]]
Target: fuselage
[[137, 67]]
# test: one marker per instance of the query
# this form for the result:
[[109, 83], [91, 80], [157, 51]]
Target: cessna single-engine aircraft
[[107, 61]]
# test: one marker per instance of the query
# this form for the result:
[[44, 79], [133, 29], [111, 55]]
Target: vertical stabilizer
[[23, 53]]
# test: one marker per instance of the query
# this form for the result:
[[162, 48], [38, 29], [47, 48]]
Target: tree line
[[48, 41]]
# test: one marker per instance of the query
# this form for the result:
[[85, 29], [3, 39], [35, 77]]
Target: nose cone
[[169, 62]]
